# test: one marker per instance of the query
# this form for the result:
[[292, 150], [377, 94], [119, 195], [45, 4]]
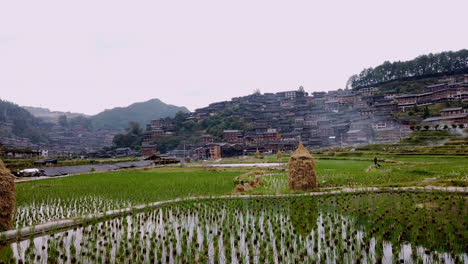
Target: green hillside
[[142, 113], [51, 116], [422, 67], [17, 121]]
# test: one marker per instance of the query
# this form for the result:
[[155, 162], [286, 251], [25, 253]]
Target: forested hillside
[[141, 113], [424, 66], [17, 121], [51, 116]]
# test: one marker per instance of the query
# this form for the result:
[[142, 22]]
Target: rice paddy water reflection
[[393, 227]]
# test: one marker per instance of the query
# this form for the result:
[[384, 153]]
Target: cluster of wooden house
[[320, 119], [62, 141], [278, 121]]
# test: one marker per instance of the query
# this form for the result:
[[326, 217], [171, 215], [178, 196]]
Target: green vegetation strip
[[68, 223]]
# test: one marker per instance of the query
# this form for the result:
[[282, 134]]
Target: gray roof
[[451, 109], [444, 118]]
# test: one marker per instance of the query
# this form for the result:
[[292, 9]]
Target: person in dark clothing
[[377, 165]]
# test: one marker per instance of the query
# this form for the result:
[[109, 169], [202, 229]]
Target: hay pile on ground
[[248, 181], [250, 185], [7, 198], [279, 156], [302, 175]]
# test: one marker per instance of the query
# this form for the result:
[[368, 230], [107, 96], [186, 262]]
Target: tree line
[[423, 66], [24, 124], [186, 130]]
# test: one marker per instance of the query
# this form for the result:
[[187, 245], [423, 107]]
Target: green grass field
[[137, 186], [44, 200]]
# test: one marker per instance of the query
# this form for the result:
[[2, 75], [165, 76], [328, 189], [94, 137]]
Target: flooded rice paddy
[[397, 227], [61, 208]]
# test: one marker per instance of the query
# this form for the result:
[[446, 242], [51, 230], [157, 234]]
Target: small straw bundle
[[7, 198], [257, 154], [302, 174], [279, 156]]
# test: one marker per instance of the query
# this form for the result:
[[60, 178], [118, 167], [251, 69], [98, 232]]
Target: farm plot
[[352, 173], [52, 199], [353, 228]]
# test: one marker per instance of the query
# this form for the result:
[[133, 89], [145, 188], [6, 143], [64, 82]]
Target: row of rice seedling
[[61, 208], [364, 228], [45, 200], [57, 198]]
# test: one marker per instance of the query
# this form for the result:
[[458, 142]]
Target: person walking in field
[[376, 163]]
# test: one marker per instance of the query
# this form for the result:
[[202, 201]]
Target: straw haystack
[[7, 197], [257, 154], [302, 174], [279, 156]]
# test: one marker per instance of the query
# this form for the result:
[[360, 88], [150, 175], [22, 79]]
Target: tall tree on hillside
[[422, 66], [180, 118], [131, 139], [63, 121], [426, 112]]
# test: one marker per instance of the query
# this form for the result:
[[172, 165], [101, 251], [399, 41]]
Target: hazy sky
[[86, 56]]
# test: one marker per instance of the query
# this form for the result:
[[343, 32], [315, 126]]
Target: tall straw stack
[[302, 174], [7, 198]]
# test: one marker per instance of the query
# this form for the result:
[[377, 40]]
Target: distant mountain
[[142, 113], [16, 121], [115, 118], [50, 116]]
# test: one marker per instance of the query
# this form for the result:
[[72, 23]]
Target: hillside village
[[62, 140], [278, 121], [268, 123], [27, 131]]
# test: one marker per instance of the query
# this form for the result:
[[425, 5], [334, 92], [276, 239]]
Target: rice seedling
[[52, 199], [407, 227]]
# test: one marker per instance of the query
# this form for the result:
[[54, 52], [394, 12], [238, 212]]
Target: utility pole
[[185, 154]]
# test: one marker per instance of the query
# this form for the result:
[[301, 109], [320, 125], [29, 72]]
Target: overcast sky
[[87, 56]]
